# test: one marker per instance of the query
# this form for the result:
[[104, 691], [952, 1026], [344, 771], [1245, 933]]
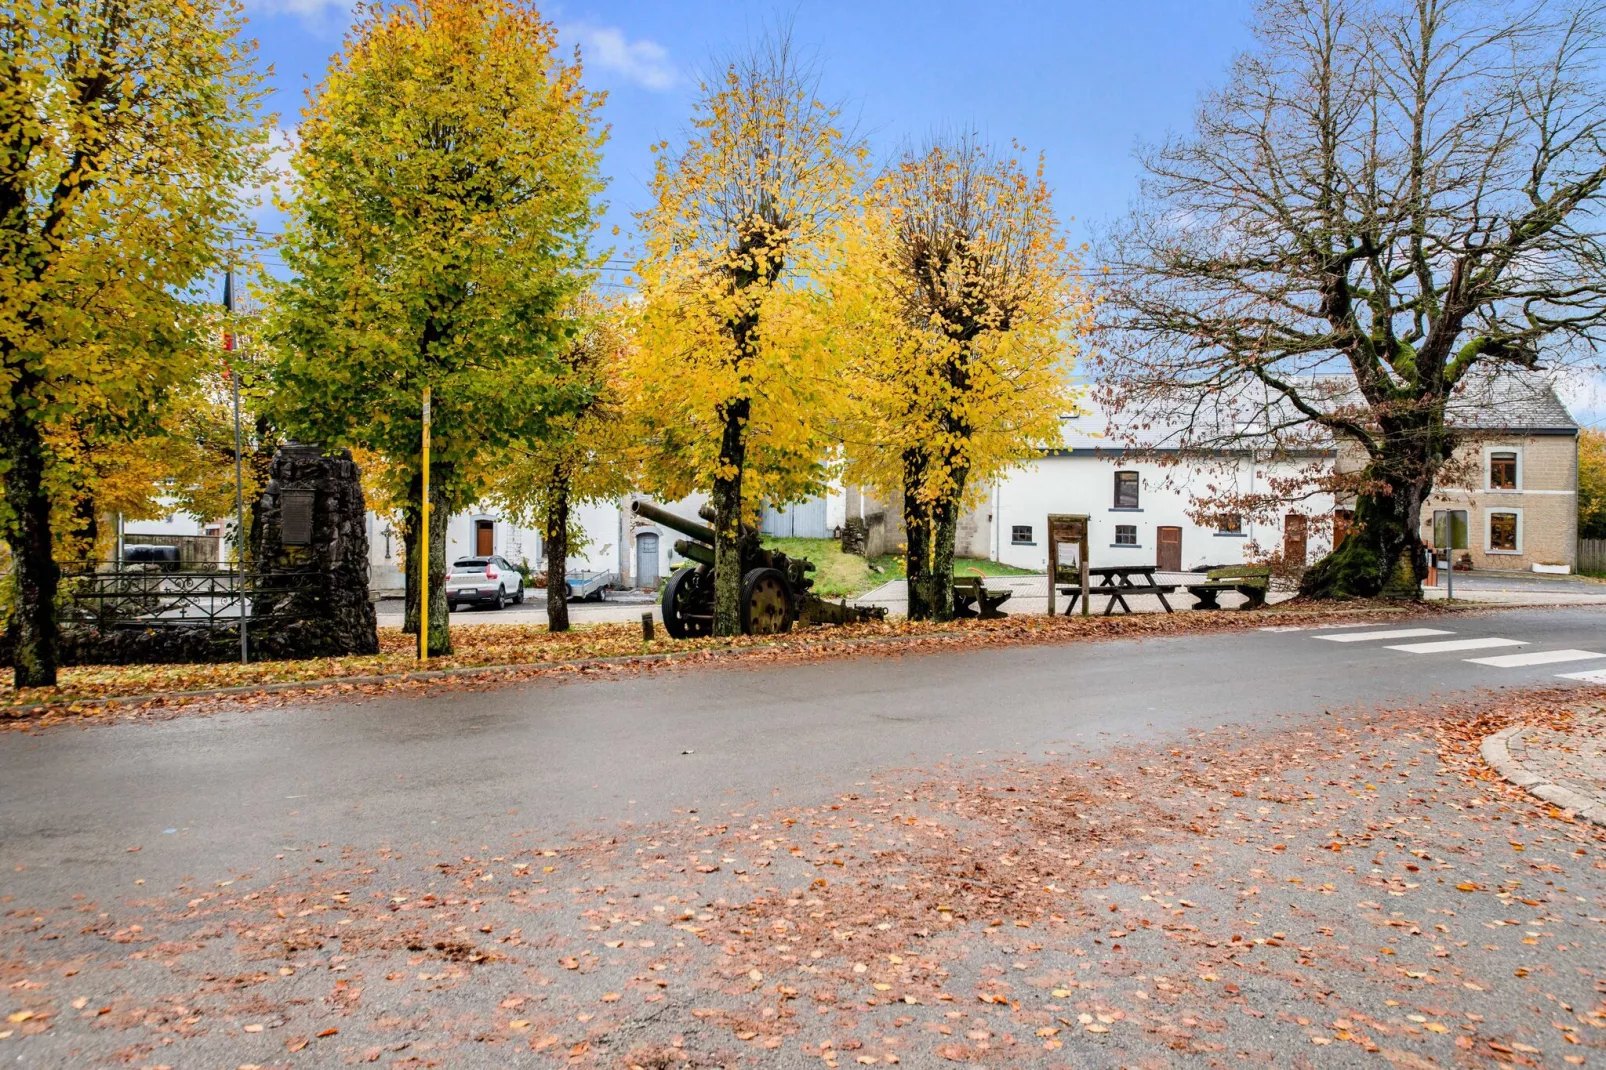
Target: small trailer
[[588, 586]]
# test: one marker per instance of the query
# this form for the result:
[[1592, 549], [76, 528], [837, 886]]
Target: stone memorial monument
[[309, 558]]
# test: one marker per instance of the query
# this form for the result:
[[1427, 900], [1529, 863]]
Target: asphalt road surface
[[238, 785], [128, 816]]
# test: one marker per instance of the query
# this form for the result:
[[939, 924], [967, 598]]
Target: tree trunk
[[409, 536], [440, 640], [33, 619], [557, 552], [944, 531], [727, 502], [1381, 556], [917, 528]]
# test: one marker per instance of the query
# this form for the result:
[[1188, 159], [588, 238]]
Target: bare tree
[[1386, 199]]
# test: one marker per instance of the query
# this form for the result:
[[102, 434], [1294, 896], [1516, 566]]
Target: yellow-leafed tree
[[731, 379], [443, 198], [127, 128], [962, 311], [581, 455]]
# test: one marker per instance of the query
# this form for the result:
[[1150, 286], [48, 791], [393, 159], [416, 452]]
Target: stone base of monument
[[310, 550]]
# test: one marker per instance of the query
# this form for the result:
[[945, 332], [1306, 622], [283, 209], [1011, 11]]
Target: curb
[[1496, 751]]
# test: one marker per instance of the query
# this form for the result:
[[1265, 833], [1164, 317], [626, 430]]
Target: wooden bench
[[1251, 581], [971, 599]]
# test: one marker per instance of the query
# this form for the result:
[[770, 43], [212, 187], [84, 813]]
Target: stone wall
[[1546, 500]]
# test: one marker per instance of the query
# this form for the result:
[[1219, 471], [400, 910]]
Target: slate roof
[[1507, 400], [1512, 400]]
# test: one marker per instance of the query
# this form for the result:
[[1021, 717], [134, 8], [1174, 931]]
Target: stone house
[[1515, 472]]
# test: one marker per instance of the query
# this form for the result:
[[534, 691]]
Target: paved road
[[223, 793], [1108, 854]]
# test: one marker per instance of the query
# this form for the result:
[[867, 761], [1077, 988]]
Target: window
[[1126, 490], [1230, 524], [1126, 535], [1503, 470], [1021, 534], [1505, 532]]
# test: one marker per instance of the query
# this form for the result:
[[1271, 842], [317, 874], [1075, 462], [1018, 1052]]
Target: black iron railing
[[154, 596]]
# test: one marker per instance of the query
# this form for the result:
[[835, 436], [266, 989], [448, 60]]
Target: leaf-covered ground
[[1348, 890], [531, 650]]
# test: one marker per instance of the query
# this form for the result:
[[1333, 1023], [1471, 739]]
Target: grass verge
[[840, 575]]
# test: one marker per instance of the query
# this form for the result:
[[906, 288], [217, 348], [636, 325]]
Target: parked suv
[[485, 581]]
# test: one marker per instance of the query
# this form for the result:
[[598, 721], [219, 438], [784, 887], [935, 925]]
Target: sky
[[1082, 82], [1085, 82]]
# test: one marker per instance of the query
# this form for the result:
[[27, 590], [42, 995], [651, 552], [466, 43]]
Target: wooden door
[[484, 538], [1294, 539], [1168, 549]]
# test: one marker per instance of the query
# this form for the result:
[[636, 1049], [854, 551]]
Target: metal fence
[[1592, 555], [152, 596]]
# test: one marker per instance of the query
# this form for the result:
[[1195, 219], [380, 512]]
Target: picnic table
[[1119, 581]]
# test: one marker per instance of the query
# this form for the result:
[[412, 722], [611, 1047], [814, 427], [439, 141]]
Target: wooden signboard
[[1068, 530]]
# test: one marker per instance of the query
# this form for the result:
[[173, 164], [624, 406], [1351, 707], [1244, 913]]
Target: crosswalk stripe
[[1316, 627], [1593, 676], [1535, 657], [1399, 633], [1448, 645]]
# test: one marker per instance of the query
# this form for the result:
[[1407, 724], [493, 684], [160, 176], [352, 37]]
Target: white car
[[483, 581]]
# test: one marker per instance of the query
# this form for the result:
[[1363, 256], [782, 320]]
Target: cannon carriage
[[776, 589]]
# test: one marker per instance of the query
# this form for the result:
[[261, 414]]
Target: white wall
[[1083, 483]]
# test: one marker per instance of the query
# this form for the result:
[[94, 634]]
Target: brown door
[[1168, 549], [1294, 539], [483, 542], [1343, 519]]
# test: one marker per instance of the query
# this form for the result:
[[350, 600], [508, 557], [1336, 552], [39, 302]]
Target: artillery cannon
[[775, 588]]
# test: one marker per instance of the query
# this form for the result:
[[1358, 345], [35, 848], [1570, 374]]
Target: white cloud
[[642, 61], [322, 14], [1583, 391], [274, 179]]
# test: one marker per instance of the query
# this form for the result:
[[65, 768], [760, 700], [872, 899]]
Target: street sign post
[[1449, 535]]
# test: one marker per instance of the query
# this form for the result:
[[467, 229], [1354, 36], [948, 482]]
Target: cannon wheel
[[681, 600], [766, 602]]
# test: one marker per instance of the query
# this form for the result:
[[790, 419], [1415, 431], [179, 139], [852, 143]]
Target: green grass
[[840, 575]]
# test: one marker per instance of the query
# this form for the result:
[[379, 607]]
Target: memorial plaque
[[296, 519]]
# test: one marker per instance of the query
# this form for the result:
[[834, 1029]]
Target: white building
[[1142, 509]]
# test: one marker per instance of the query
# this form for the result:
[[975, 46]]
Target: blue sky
[[1083, 82], [1086, 82]]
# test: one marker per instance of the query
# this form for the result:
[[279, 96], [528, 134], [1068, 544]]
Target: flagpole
[[239, 480]]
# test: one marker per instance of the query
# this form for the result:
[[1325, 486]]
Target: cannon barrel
[[689, 528], [692, 550]]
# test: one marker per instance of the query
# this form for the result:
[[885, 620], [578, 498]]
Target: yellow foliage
[[732, 380], [961, 312]]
